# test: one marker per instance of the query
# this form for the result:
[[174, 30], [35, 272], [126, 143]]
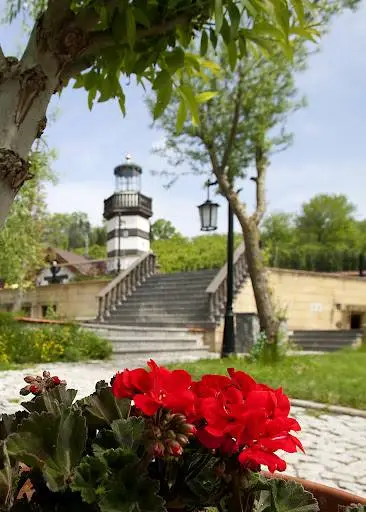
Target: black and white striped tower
[[128, 214]]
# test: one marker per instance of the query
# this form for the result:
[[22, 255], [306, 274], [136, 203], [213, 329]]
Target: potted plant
[[154, 441]]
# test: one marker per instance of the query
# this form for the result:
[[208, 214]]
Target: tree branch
[[2, 59], [261, 166], [234, 127], [105, 40]]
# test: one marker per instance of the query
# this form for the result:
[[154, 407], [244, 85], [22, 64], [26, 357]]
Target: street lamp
[[208, 211], [208, 215]]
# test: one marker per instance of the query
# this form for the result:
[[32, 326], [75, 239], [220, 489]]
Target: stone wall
[[74, 300], [311, 300]]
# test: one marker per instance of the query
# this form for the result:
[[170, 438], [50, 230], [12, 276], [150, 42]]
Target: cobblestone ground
[[335, 445]]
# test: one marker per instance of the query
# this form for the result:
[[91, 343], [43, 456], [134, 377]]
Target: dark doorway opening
[[356, 321]]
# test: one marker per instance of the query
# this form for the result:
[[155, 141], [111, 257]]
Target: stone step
[[163, 299], [151, 344], [183, 323], [184, 276], [157, 307], [161, 358], [172, 285], [142, 332]]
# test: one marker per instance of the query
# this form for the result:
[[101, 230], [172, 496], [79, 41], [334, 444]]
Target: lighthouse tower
[[128, 214]]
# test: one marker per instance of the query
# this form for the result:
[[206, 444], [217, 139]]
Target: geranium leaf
[[10, 422], [285, 496], [90, 471], [53, 401], [102, 408], [128, 432], [8, 478], [53, 443]]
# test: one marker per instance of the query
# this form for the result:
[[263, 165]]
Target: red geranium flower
[[157, 388], [237, 414]]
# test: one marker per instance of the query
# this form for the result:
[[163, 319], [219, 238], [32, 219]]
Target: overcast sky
[[328, 154]]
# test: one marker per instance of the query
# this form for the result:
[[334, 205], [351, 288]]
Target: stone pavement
[[335, 445]]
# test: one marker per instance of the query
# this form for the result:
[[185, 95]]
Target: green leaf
[[285, 496], [91, 97], [129, 433], [141, 17], [122, 102], [191, 102], [163, 79], [282, 14], [8, 478], [90, 471], [175, 59], [219, 15], [298, 6], [102, 407], [9, 423], [203, 97], [204, 43], [213, 38], [226, 32], [234, 15], [163, 97], [130, 27], [352, 508], [52, 443], [181, 115], [52, 401], [232, 54]]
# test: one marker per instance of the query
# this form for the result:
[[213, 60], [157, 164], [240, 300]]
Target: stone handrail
[[124, 284], [217, 289]]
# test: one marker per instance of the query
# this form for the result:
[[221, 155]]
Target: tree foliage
[[21, 247], [163, 229]]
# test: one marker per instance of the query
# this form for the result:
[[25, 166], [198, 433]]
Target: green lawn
[[338, 378]]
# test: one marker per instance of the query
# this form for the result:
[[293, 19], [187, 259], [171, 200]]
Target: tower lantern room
[[128, 214], [128, 177]]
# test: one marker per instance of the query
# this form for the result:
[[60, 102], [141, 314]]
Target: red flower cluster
[[234, 414], [244, 417], [158, 388]]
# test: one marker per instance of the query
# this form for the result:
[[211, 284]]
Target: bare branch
[[261, 166]]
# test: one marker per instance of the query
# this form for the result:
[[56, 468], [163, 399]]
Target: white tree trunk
[[26, 88]]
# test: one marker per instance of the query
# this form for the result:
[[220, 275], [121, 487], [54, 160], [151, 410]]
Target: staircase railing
[[217, 289], [124, 284]]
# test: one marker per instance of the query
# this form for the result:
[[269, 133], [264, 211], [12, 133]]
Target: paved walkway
[[335, 445]]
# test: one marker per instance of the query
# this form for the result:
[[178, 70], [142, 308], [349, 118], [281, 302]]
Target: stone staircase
[[143, 312], [325, 341], [168, 300], [164, 344]]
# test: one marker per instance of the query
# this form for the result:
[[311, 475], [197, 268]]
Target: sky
[[328, 154]]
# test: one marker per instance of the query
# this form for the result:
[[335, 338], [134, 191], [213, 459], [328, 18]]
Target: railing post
[[101, 309], [107, 305]]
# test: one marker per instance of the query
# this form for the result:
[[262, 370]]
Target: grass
[[337, 378]]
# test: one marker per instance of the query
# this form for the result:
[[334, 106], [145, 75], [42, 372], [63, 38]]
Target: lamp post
[[119, 245], [208, 216]]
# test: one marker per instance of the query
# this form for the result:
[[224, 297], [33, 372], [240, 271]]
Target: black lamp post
[[208, 215]]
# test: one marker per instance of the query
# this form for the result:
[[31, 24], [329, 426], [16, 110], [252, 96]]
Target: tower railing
[[217, 289], [127, 202], [124, 284]]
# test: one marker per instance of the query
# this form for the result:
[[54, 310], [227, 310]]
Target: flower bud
[[34, 389], [174, 448], [170, 434], [158, 449], [29, 379], [46, 374], [182, 439], [56, 380], [25, 391], [189, 429]]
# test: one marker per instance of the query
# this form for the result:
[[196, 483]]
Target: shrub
[[20, 344]]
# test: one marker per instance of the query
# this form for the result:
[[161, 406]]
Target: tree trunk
[[26, 88], [268, 320]]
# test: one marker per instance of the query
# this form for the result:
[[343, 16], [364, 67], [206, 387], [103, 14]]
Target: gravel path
[[335, 445]]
